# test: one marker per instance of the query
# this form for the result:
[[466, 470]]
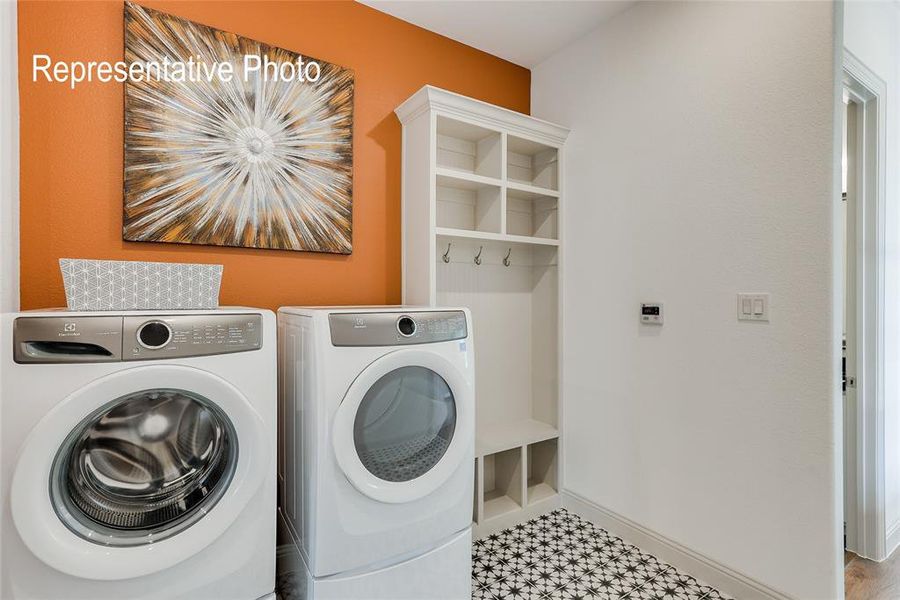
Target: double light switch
[[753, 307]]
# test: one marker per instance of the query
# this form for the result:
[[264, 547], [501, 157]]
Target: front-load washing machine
[[376, 460], [138, 455]]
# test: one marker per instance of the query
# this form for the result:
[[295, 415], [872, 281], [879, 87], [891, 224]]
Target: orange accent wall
[[71, 143]]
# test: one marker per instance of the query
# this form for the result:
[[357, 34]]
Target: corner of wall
[[9, 158]]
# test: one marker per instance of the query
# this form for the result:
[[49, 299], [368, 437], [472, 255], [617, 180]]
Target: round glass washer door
[[404, 426], [143, 467], [87, 502]]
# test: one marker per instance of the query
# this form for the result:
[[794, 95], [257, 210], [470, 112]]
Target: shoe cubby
[[541, 467], [502, 483], [531, 215], [469, 205], [532, 164], [469, 149]]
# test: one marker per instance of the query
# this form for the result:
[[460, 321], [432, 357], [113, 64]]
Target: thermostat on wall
[[652, 313]]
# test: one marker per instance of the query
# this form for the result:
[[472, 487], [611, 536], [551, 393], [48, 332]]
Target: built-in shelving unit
[[483, 182]]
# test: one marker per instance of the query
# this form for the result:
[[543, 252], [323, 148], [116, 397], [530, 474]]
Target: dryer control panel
[[81, 339], [397, 329]]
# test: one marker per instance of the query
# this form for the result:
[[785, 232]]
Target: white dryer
[[377, 464], [138, 454]]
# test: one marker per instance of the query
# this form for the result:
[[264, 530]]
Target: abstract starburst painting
[[257, 160]]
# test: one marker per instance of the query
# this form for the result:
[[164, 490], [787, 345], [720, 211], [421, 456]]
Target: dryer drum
[[141, 468], [405, 424]]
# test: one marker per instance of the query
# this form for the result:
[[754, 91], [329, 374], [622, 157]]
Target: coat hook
[[447, 253], [506, 260], [478, 256]]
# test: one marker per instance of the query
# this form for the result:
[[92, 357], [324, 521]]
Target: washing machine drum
[[143, 467]]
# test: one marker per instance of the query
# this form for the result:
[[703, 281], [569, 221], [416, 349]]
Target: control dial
[[154, 335], [406, 326]]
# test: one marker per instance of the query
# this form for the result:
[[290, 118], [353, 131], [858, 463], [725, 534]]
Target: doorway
[[846, 230], [859, 240]]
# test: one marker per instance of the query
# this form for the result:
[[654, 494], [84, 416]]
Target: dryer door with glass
[[404, 425], [137, 472]]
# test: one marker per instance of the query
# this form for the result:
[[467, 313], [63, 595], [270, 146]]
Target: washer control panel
[[397, 329], [78, 339], [179, 336]]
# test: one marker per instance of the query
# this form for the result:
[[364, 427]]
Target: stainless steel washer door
[[143, 467]]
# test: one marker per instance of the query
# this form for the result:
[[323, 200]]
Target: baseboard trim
[[892, 539], [702, 567]]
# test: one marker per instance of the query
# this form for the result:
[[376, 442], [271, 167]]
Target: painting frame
[[302, 149]]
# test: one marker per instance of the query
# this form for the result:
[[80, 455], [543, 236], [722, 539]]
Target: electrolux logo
[[69, 329]]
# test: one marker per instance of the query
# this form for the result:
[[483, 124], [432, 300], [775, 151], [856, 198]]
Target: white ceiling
[[524, 32]]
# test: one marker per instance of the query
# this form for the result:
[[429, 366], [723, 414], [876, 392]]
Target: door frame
[[868, 92]]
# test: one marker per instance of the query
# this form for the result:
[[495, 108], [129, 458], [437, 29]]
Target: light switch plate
[[753, 307]]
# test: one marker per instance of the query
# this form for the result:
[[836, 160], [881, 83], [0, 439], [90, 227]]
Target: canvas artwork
[[263, 160]]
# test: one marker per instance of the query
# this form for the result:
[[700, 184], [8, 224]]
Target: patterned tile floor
[[560, 556]]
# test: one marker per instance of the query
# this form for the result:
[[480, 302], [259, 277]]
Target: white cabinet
[[482, 197]]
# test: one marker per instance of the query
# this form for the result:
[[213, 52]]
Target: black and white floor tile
[[561, 556]]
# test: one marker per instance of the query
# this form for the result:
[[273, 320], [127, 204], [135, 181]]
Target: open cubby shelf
[[483, 181], [502, 483], [531, 215], [468, 205], [542, 465], [468, 148], [532, 163], [515, 479]]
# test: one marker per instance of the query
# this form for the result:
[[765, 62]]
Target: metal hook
[[447, 253], [506, 261], [478, 256]]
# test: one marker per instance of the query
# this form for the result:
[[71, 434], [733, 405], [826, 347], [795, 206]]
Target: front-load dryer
[[138, 455], [377, 421]]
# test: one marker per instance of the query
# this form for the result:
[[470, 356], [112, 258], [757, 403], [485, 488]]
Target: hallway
[[868, 580]]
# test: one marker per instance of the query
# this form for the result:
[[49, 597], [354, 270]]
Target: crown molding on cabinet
[[489, 115]]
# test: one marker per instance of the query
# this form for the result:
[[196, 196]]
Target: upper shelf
[[528, 191], [463, 180], [478, 156], [494, 237]]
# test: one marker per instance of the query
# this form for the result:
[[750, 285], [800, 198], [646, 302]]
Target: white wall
[[9, 160], [700, 165], [872, 34]]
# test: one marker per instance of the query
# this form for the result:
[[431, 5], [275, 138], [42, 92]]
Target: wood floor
[[868, 580]]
